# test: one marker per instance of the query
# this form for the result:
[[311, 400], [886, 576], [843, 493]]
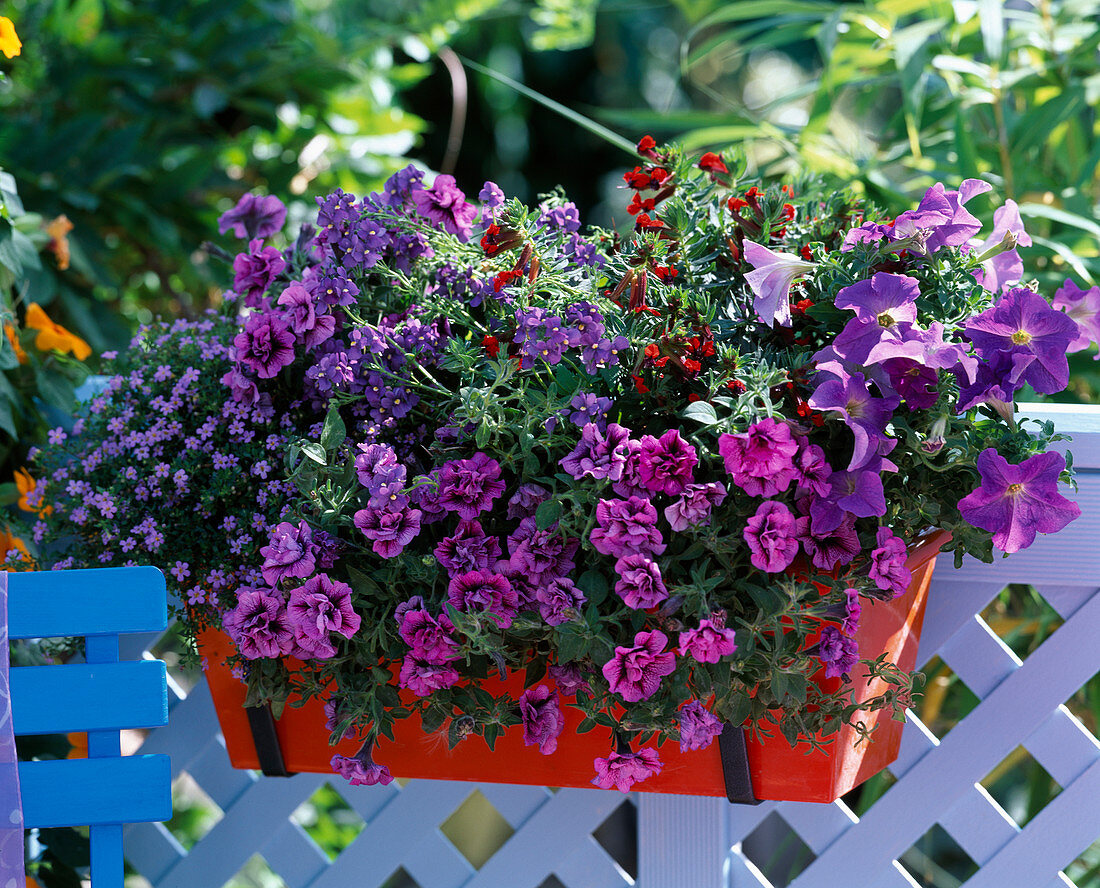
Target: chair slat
[[84, 697], [100, 601], [135, 789]]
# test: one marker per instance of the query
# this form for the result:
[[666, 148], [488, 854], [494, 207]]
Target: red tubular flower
[[712, 163], [645, 223], [491, 345], [639, 385], [646, 146], [637, 205], [664, 272]]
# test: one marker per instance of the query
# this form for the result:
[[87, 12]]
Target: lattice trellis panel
[[706, 843]]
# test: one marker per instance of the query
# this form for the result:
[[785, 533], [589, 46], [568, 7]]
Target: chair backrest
[[100, 696]]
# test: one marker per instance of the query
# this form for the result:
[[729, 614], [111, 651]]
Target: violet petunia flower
[[485, 592], [852, 611], [708, 642], [827, 549], [308, 326], [698, 726], [265, 344], [839, 652], [665, 464], [469, 548], [640, 584], [622, 770], [1014, 502], [541, 554], [253, 217], [1023, 324], [289, 553], [599, 455], [254, 271], [559, 601], [771, 279], [885, 323], [693, 508], [423, 678], [469, 486], [888, 568], [445, 205], [626, 527], [390, 530], [318, 608], [431, 640], [960, 225], [542, 718], [361, 769], [862, 412], [526, 500], [772, 537], [1083, 306], [259, 625], [1006, 267], [761, 459], [635, 673]]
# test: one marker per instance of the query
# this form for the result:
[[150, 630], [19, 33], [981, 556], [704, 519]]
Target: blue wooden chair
[[99, 696]]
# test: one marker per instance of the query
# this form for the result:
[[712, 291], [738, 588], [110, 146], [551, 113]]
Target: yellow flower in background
[[24, 483], [54, 336], [57, 229], [10, 45], [13, 338]]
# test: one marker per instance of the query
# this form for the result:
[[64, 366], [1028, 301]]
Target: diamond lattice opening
[[862, 797], [256, 874], [1021, 785], [1022, 618], [618, 836], [171, 648], [1085, 870], [194, 813], [777, 850], [945, 700], [937, 861], [551, 881], [477, 829], [329, 820], [400, 879]]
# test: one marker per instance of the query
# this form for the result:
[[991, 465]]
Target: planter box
[[778, 771]]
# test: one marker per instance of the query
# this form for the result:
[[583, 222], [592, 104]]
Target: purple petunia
[[698, 726], [259, 625], [254, 271], [423, 678], [541, 554], [1037, 337], [361, 769], [888, 568], [469, 486], [771, 279], [469, 548], [300, 313], [319, 607], [1083, 306], [391, 530], [635, 673], [253, 217], [431, 640], [445, 205], [559, 601], [839, 652], [761, 459], [485, 592], [542, 718], [622, 770], [772, 536], [693, 508], [639, 584], [1014, 502], [665, 464], [265, 344], [626, 527], [289, 553], [599, 455], [709, 642]]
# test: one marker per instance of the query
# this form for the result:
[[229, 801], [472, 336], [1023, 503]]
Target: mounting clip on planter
[[262, 724], [735, 766]]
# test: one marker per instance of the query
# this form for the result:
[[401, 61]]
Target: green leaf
[[563, 24], [594, 585], [701, 412], [315, 452], [547, 513], [334, 431], [571, 644], [481, 436]]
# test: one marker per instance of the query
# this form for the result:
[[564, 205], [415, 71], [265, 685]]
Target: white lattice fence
[[706, 842]]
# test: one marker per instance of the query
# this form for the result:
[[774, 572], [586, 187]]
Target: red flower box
[[778, 771]]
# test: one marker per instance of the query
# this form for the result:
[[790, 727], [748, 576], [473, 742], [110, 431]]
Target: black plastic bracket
[[735, 766], [262, 724]]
